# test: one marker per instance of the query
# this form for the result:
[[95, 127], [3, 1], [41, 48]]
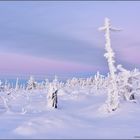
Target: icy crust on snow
[[79, 115]]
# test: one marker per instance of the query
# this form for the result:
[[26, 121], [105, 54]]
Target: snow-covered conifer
[[31, 84], [17, 85], [52, 96], [46, 83], [112, 101], [128, 83], [1, 86]]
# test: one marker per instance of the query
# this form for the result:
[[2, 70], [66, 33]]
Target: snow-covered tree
[[98, 81], [7, 87], [55, 79], [17, 85], [1, 86], [128, 83], [5, 102], [46, 83], [52, 96], [112, 101], [31, 84]]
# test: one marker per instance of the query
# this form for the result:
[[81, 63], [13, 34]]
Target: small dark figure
[[132, 97], [54, 98]]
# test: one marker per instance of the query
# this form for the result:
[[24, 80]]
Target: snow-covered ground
[[79, 115]]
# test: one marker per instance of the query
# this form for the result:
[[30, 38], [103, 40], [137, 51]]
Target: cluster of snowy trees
[[124, 83], [127, 86], [128, 83]]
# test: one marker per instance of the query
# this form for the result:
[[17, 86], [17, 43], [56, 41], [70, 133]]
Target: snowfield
[[79, 115], [80, 108]]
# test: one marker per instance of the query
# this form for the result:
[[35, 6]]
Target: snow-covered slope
[[79, 115]]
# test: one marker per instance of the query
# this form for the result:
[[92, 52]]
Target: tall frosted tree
[[112, 100]]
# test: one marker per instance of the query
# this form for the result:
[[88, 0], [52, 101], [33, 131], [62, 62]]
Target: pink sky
[[26, 64], [131, 55], [65, 35]]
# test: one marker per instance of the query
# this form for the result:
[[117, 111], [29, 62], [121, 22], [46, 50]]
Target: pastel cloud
[[25, 64], [130, 55], [51, 37]]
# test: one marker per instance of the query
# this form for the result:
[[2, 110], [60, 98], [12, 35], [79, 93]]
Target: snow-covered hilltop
[[95, 107]]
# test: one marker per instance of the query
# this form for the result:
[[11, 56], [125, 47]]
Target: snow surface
[[79, 115]]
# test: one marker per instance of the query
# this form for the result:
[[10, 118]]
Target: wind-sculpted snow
[[78, 116]]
